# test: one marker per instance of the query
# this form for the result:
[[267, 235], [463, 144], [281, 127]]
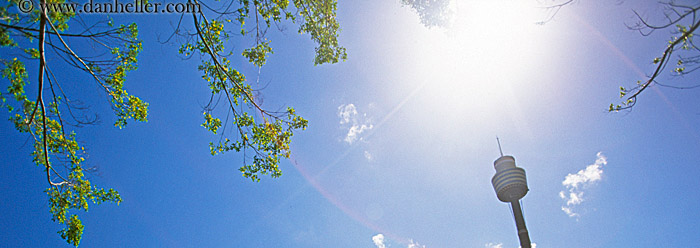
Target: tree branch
[[661, 64]]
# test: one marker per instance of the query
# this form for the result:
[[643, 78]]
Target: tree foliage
[[55, 148], [263, 136], [432, 13]]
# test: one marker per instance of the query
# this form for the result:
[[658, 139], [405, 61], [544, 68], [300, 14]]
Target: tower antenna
[[499, 146]]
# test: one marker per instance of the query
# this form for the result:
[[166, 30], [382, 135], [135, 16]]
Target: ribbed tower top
[[509, 182], [504, 162]]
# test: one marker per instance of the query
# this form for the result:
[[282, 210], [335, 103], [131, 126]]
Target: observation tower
[[510, 185]]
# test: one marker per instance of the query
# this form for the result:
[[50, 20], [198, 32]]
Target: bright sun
[[489, 45], [485, 62], [496, 35]]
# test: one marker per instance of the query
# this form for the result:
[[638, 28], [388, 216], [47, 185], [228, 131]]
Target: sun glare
[[496, 36], [484, 60]]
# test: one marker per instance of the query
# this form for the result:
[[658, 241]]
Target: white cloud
[[590, 174], [356, 130], [575, 183], [346, 113], [569, 212], [574, 198], [500, 245], [413, 244], [493, 245], [368, 156], [357, 123], [379, 240]]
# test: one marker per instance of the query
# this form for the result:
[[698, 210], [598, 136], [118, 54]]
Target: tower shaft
[[520, 224]]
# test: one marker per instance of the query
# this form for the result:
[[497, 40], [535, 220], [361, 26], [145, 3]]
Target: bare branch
[[553, 11]]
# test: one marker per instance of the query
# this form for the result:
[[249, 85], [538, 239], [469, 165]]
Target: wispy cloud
[[413, 244], [368, 155], [493, 245], [500, 245], [347, 113], [356, 123], [379, 240], [574, 183]]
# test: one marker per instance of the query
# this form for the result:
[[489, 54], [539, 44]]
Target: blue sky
[[401, 142]]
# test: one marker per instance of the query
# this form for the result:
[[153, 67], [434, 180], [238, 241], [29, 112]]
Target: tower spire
[[499, 146]]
